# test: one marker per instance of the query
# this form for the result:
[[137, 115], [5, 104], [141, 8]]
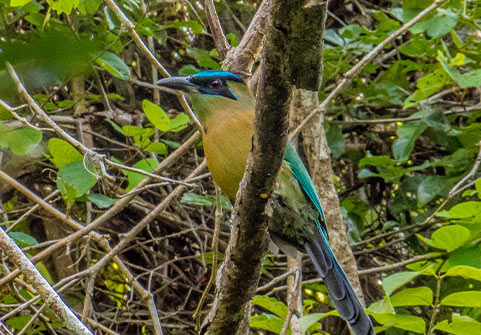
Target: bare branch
[[221, 43], [48, 294], [241, 58]]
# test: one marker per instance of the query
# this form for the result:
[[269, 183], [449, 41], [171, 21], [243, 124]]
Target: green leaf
[[459, 327], [5, 115], [382, 306], [418, 296], [137, 131], [18, 322], [447, 238], [116, 127], [89, 6], [20, 141], [24, 140], [208, 257], [416, 47], [135, 178], [477, 184], [463, 299], [268, 322], [307, 321], [441, 23], [335, 140], [436, 120], [402, 321], [74, 180], [179, 122], [171, 144], [395, 281], [271, 304], [196, 199], [204, 200], [62, 152], [156, 115], [44, 271], [407, 135], [23, 239], [430, 187], [465, 256], [194, 25], [157, 147], [465, 210], [114, 65], [465, 80], [9, 299], [427, 86], [19, 3], [384, 161], [100, 200], [202, 57], [63, 6], [232, 39], [188, 70], [468, 272], [387, 168]]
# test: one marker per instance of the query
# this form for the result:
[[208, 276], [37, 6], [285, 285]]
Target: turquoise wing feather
[[302, 176], [317, 247]]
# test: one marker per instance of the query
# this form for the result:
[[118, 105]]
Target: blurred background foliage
[[403, 137]]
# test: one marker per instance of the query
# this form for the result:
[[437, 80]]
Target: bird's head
[[212, 91]]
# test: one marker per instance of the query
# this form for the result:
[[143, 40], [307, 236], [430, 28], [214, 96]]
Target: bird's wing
[[302, 176], [326, 263]]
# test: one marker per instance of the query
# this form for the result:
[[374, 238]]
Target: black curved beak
[[177, 83]]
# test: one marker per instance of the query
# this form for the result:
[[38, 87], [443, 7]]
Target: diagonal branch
[[241, 58], [31, 273], [220, 41]]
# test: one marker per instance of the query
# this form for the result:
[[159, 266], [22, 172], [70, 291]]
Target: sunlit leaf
[[463, 299]]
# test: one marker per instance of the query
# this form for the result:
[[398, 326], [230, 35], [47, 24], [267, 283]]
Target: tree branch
[[48, 294], [241, 58], [242, 264], [220, 41]]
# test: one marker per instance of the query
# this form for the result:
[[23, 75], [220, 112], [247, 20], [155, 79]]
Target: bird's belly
[[226, 149]]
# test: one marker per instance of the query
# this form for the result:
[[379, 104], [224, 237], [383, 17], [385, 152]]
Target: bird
[[225, 108]]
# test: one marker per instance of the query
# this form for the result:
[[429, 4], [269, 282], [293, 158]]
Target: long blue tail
[[338, 286]]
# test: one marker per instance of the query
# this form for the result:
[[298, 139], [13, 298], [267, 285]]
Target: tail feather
[[338, 286]]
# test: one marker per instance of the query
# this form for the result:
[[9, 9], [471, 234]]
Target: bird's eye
[[216, 84]]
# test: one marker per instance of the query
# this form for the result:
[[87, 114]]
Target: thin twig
[[293, 295], [23, 120], [215, 250]]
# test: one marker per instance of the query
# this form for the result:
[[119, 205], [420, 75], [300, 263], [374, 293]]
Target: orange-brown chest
[[227, 143]]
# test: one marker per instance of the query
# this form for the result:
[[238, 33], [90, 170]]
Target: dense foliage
[[405, 138]]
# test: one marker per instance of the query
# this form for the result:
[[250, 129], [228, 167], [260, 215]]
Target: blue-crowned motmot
[[224, 106]]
